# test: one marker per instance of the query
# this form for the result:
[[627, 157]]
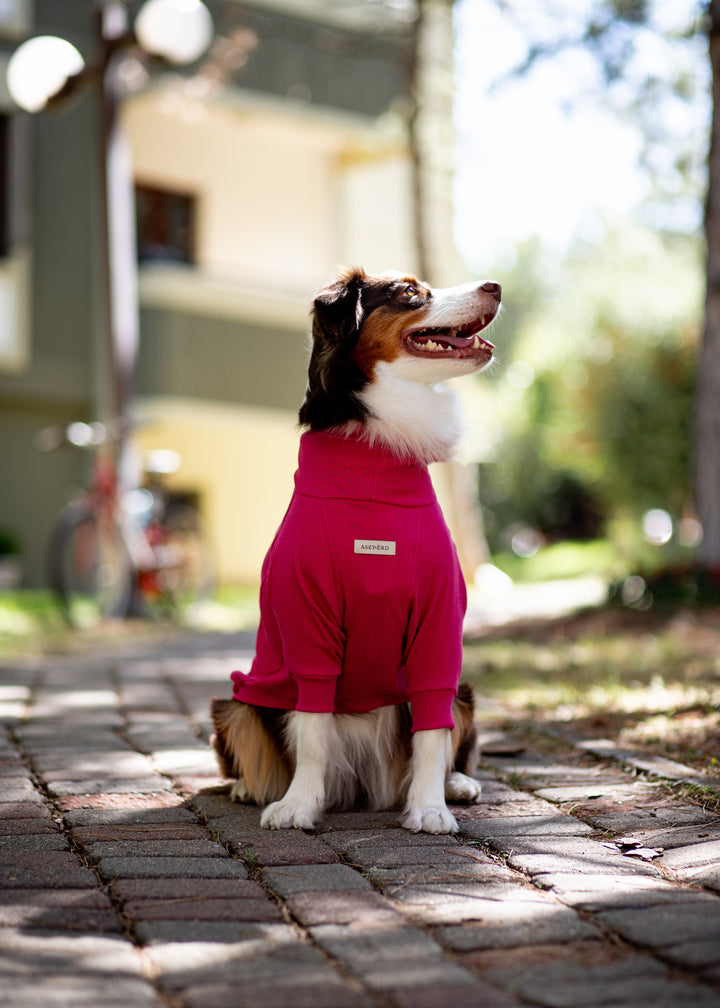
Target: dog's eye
[[410, 290]]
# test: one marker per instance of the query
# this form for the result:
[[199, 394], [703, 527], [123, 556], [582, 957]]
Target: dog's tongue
[[454, 339]]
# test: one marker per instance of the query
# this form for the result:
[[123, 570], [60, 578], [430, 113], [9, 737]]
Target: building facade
[[280, 155]]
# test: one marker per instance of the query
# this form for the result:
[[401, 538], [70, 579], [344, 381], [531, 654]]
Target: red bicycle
[[115, 554]]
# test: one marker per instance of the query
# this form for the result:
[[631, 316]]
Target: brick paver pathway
[[129, 879]]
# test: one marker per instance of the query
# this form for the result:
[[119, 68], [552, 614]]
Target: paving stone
[[156, 815], [510, 924], [355, 842], [188, 929], [185, 888], [198, 909], [11, 846], [34, 826], [696, 956], [704, 853], [479, 872], [557, 854], [534, 825], [80, 766], [619, 789], [446, 858], [53, 869], [94, 956], [189, 760], [202, 848], [269, 954], [81, 992], [647, 820], [107, 786], [217, 806], [658, 765], [120, 800], [286, 881], [171, 867], [390, 957], [117, 832], [85, 910], [331, 993], [16, 789], [458, 995], [361, 820], [660, 926], [575, 974], [285, 847], [605, 892], [354, 908], [462, 894], [705, 875], [28, 808]]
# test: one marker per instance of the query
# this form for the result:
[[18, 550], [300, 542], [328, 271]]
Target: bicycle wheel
[[185, 572], [89, 568]]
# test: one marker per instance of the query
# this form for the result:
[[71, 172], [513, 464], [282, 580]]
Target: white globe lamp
[[178, 31], [39, 69]]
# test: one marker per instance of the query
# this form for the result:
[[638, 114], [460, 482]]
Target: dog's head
[[426, 336]]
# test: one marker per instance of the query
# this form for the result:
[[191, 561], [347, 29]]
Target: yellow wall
[[240, 460]]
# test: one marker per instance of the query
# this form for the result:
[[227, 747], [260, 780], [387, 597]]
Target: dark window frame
[[166, 221]]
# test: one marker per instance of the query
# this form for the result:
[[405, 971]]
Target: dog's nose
[[492, 288]]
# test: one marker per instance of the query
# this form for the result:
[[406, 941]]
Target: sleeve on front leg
[[308, 612], [432, 709], [433, 660]]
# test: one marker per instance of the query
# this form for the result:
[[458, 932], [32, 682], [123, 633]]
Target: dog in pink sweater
[[353, 697]]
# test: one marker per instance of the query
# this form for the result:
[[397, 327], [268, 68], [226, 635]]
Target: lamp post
[[42, 73]]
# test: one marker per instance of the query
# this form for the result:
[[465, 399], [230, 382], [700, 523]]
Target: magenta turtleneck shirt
[[362, 598]]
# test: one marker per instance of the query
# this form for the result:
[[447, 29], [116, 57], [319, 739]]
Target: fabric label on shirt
[[381, 547]]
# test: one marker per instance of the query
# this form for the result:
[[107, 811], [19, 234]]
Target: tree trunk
[[707, 395]]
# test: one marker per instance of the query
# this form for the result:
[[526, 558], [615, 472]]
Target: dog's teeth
[[476, 343]]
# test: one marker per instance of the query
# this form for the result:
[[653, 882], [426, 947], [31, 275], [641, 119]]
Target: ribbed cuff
[[432, 709], [316, 695]]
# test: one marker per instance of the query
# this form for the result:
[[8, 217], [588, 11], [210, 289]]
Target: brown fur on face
[[250, 745]]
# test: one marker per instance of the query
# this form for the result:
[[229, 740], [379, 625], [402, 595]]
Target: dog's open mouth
[[447, 342]]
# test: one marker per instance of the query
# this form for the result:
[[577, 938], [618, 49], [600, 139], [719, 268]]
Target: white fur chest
[[415, 419]]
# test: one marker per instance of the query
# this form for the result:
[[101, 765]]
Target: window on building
[[166, 225]]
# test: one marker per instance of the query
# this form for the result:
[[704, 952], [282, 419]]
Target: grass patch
[[31, 622], [648, 681], [564, 560]]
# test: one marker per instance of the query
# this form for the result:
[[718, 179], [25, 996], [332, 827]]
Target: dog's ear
[[333, 376], [337, 308]]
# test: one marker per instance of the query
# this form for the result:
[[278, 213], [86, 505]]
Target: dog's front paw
[[430, 820], [286, 815], [461, 788]]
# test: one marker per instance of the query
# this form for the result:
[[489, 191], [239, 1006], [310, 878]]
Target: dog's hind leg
[[461, 788], [248, 746], [460, 785], [312, 736]]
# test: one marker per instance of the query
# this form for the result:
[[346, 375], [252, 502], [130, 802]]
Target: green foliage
[[599, 427], [563, 560]]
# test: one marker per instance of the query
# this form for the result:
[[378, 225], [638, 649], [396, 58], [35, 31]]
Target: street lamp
[[44, 71]]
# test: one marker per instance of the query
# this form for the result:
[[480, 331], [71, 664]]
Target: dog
[[353, 696]]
